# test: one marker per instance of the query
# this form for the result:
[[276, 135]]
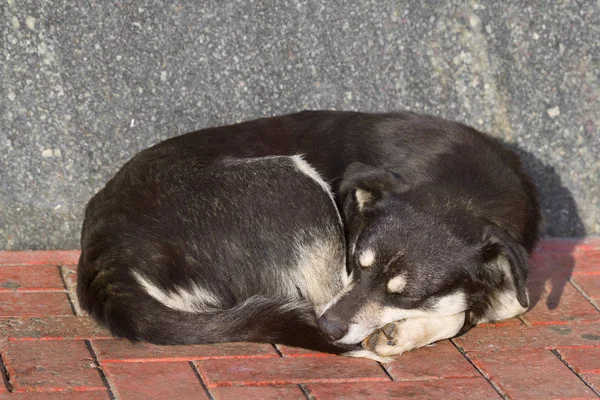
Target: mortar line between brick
[[584, 294], [524, 320], [277, 350], [64, 282], [306, 392], [199, 377], [386, 372], [34, 290], [111, 391], [559, 356], [5, 375], [492, 383]]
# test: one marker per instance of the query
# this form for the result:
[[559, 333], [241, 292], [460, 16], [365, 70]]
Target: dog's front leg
[[411, 333]]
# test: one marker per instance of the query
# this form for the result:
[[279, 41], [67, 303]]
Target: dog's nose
[[333, 328]]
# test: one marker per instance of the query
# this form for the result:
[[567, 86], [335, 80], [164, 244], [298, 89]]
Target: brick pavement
[[50, 350]]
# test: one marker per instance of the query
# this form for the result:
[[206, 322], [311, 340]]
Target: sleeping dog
[[227, 234], [181, 250]]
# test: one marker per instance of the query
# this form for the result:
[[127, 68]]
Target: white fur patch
[[346, 278], [413, 333], [356, 333], [309, 171], [452, 304], [367, 258], [195, 300], [313, 270], [396, 284], [423, 331], [312, 173], [505, 305], [368, 354], [448, 305], [373, 316], [391, 314], [362, 197]]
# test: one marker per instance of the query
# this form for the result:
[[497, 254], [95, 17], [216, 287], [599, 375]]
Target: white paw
[[389, 340]]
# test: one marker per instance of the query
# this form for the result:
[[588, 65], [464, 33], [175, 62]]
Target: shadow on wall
[[552, 266]]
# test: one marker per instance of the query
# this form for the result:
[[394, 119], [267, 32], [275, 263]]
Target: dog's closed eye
[[396, 284]]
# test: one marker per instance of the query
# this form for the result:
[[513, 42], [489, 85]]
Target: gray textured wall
[[85, 85]]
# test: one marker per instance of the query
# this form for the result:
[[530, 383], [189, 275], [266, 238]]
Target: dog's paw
[[388, 341], [411, 333]]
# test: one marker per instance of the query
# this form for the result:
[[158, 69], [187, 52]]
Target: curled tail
[[258, 319], [117, 301]]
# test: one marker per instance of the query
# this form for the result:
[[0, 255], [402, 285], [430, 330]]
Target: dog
[[182, 251], [438, 219]]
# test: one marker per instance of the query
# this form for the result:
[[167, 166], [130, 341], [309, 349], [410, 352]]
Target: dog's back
[[181, 250]]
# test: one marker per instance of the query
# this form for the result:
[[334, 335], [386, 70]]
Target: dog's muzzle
[[333, 328]]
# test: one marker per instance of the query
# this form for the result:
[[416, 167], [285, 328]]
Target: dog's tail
[[129, 312], [258, 319]]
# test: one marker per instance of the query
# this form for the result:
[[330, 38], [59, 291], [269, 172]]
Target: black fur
[[228, 226], [443, 205], [452, 198]]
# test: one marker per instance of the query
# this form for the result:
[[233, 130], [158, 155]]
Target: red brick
[[539, 337], [447, 389], [582, 360], [61, 395], [258, 393], [34, 304], [68, 327], [505, 322], [43, 278], [112, 350], [559, 302], [290, 351], [442, 360], [568, 245], [552, 263], [587, 261], [530, 374], [590, 284], [280, 371], [543, 267], [51, 365], [165, 380], [39, 257], [593, 380]]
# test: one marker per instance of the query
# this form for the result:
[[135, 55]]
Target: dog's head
[[414, 252]]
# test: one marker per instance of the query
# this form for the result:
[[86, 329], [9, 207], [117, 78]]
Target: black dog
[[439, 220], [180, 250]]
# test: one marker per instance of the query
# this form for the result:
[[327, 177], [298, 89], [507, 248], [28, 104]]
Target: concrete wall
[[87, 84]]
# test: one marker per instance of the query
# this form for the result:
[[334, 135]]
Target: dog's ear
[[368, 184], [496, 244]]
